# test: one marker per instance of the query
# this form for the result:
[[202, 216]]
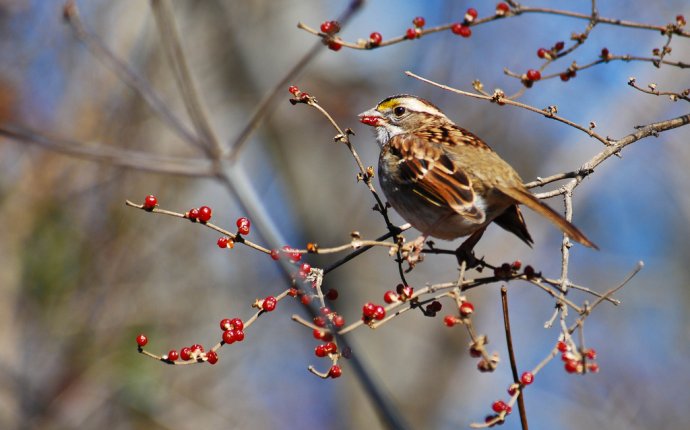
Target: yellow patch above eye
[[388, 104]]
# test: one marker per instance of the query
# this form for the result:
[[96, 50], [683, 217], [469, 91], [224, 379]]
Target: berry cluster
[[299, 96], [463, 28], [201, 214], [577, 361], [551, 54], [416, 31], [372, 312], [233, 330], [330, 28], [402, 293]]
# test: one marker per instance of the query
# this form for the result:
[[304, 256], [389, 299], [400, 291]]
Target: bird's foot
[[465, 252]]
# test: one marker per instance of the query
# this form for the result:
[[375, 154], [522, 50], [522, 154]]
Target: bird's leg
[[465, 250]]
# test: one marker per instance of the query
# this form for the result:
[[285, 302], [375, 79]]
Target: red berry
[[269, 303], [223, 242], [275, 254], [591, 354], [527, 378], [197, 347], [293, 90], [419, 22], [319, 321], [186, 353], [239, 334], [318, 334], [305, 300], [499, 406], [142, 340], [565, 76], [193, 214], [237, 324], [379, 312], [513, 389], [450, 320], [332, 294], [375, 38], [330, 27], [502, 9], [150, 202], [411, 33], [325, 310], [466, 309], [390, 297], [294, 256], [461, 30], [212, 357], [225, 324], [562, 346], [334, 45], [335, 371], [533, 75], [304, 270], [331, 348], [571, 366], [173, 355], [204, 213], [471, 14], [320, 351], [542, 53], [605, 53], [680, 20], [559, 45], [368, 310], [229, 337], [593, 367], [338, 321], [243, 225], [517, 264]]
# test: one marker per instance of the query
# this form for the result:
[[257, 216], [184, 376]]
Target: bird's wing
[[434, 177]]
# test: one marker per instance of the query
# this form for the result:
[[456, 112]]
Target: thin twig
[[511, 355]]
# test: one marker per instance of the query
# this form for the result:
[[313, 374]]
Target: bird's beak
[[370, 117]]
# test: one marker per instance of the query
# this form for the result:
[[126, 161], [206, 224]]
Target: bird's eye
[[399, 111]]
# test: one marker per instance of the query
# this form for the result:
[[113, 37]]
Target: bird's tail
[[526, 198]]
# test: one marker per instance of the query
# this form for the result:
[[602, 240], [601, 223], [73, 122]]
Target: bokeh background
[[81, 275]]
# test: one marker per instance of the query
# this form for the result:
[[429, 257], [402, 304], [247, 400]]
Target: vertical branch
[[125, 73], [511, 354], [173, 49]]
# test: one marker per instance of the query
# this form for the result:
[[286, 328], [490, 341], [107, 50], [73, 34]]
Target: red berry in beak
[[369, 120]]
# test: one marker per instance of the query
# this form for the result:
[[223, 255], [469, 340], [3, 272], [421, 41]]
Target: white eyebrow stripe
[[418, 106]]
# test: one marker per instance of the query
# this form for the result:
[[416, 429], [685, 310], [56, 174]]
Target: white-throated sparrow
[[446, 181]]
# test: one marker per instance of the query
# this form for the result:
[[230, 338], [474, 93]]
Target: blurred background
[[81, 275]]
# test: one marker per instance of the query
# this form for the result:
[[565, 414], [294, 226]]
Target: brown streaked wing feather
[[434, 176], [526, 198]]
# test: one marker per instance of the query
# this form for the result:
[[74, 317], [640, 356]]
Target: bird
[[444, 180]]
